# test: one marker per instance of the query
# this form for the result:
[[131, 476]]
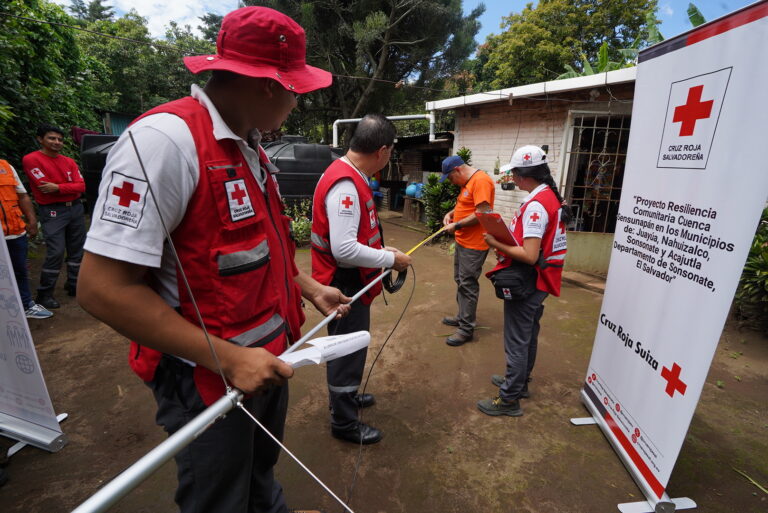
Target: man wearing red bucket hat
[[218, 198]]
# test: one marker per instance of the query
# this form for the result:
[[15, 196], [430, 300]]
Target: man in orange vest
[[15, 203]]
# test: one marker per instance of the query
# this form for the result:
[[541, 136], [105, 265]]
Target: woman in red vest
[[526, 274]]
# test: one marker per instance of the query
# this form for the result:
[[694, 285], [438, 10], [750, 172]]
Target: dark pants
[[18, 250], [63, 230], [521, 340], [467, 266], [229, 467], [346, 373]]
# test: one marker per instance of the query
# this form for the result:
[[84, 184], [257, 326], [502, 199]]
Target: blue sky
[[159, 12], [672, 13]]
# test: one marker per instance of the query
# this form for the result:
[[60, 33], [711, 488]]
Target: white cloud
[[160, 13], [666, 10]]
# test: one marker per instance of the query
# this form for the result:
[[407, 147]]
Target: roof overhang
[[619, 76]]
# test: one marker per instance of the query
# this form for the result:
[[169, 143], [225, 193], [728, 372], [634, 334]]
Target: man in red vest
[[57, 185], [348, 253], [219, 199]]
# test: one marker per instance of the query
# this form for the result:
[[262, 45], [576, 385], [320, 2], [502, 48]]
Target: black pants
[[521, 342], [63, 230], [346, 373], [229, 467]]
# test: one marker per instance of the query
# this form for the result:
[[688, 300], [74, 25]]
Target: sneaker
[[497, 406], [498, 380], [38, 312], [450, 321]]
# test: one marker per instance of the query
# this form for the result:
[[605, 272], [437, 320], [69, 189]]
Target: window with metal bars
[[596, 159]]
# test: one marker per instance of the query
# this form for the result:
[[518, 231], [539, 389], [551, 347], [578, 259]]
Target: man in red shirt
[[56, 185]]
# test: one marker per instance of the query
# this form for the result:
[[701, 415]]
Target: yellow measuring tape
[[417, 246]]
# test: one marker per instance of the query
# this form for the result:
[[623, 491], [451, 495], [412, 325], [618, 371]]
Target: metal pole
[[139, 471], [430, 117]]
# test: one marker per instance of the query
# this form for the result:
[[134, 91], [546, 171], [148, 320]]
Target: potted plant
[[506, 181]]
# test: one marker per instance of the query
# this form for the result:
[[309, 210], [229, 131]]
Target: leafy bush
[[300, 212], [465, 154], [439, 199], [751, 302]]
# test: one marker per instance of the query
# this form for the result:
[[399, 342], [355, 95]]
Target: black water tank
[[300, 164], [93, 155]]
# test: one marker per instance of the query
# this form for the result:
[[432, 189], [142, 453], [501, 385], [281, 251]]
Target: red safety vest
[[236, 249], [10, 212], [553, 244], [368, 233]]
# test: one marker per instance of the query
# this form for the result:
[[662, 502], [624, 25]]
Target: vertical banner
[[696, 183], [26, 412]]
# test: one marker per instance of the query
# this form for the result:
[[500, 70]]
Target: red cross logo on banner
[[693, 110], [535, 217], [347, 202], [674, 383], [238, 194], [126, 194]]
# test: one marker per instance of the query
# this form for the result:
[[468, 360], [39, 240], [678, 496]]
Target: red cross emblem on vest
[[126, 194], [238, 194], [693, 110], [674, 383], [347, 202], [535, 217]]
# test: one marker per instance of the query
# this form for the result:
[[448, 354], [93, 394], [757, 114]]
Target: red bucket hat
[[262, 42]]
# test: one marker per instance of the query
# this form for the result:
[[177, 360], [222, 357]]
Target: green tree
[[95, 10], [382, 42], [46, 79], [211, 23], [540, 41]]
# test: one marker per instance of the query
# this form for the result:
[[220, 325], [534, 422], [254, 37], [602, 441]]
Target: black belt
[[64, 203]]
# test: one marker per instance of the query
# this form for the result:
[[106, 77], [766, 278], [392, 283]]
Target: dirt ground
[[439, 453]]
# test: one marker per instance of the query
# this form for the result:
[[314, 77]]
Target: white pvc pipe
[[430, 116]]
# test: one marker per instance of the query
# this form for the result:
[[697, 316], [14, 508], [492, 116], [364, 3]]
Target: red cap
[[262, 42]]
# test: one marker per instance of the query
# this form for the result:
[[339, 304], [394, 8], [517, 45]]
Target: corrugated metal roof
[[553, 86]]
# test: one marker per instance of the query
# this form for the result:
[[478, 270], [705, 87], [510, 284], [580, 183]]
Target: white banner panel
[[26, 412], [696, 182]]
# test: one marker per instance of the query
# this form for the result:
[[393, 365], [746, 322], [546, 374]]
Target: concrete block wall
[[495, 130]]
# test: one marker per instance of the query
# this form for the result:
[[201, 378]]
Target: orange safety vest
[[10, 212]]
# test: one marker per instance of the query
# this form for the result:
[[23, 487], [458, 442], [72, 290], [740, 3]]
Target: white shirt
[[343, 207], [169, 156], [536, 217]]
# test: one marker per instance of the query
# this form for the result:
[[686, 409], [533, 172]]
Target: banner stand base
[[584, 421], [53, 446], [666, 505], [661, 507]]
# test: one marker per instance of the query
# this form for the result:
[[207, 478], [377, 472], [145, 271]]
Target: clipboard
[[493, 223]]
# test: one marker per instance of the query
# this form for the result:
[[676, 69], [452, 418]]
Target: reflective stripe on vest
[[257, 334], [243, 261]]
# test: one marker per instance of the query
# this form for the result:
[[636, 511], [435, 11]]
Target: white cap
[[526, 156]]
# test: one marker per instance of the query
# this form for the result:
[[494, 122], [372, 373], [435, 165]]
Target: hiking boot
[[38, 312], [498, 380], [458, 339], [497, 406], [47, 301], [450, 321], [71, 289], [365, 400], [360, 434]]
